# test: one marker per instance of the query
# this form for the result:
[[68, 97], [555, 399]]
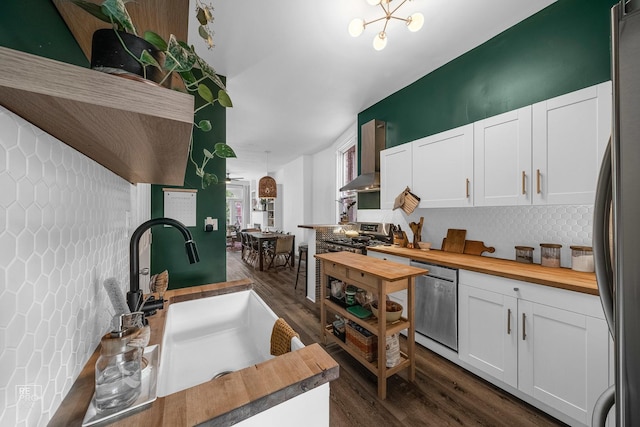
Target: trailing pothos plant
[[180, 59]]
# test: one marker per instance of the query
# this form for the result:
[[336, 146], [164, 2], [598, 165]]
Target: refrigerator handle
[[601, 248], [602, 407]]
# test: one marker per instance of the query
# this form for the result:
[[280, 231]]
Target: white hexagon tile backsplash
[[501, 227], [62, 232]]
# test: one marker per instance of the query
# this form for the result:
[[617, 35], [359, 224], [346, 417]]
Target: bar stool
[[303, 252]]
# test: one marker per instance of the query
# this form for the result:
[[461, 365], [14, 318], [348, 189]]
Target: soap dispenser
[[118, 370]]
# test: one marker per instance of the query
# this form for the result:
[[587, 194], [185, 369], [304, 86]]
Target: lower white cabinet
[[487, 334], [549, 343]]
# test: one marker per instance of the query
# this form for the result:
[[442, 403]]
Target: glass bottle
[[118, 371]]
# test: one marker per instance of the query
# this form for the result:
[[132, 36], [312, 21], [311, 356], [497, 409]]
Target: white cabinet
[[502, 159], [443, 168], [487, 333], [562, 358], [570, 134], [549, 343], [395, 173]]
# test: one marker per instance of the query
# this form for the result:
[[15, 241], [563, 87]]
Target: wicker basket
[[365, 345]]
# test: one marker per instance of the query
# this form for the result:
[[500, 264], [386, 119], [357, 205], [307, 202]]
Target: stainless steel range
[[369, 234]]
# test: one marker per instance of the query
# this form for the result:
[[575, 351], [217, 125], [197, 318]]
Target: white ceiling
[[298, 79]]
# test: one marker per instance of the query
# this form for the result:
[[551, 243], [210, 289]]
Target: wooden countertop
[[224, 401], [372, 266], [563, 278]]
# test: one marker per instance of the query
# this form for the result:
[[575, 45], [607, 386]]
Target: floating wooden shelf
[[139, 131]]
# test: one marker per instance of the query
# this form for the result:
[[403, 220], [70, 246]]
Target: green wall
[[34, 26], [563, 48], [167, 251]]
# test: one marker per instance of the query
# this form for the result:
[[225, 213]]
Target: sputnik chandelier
[[414, 22]]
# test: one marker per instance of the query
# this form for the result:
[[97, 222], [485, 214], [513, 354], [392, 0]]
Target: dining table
[[265, 236]]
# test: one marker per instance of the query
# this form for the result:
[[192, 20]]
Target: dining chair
[[282, 249]]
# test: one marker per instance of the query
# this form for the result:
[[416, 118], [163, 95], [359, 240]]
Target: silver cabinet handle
[[508, 321], [467, 187], [524, 180], [538, 179], [524, 329]]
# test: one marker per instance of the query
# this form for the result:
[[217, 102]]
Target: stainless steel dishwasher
[[436, 314]]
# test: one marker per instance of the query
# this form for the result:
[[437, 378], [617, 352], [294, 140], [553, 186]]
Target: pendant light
[[414, 22], [267, 185]]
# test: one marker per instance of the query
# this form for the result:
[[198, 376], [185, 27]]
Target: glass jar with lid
[[582, 258], [550, 254], [524, 254]]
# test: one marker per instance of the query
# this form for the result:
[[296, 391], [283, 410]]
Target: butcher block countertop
[[372, 266], [224, 401], [563, 278]]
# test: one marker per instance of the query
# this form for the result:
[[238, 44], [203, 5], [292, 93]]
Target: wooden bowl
[[425, 246], [394, 310]]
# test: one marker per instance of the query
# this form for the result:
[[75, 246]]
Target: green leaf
[[203, 32], [209, 179], [204, 125], [118, 12], [188, 77], [93, 9], [224, 151], [209, 72], [205, 93], [147, 59], [178, 58], [207, 154], [201, 16], [155, 40], [224, 100]]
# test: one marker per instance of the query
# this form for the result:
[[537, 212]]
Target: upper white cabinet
[[502, 159], [443, 168], [570, 134], [395, 173]]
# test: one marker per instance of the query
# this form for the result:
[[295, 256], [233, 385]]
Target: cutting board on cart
[[455, 240]]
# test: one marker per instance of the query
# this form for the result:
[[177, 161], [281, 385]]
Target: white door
[[563, 358], [502, 159], [443, 168], [395, 173], [570, 134], [487, 332]]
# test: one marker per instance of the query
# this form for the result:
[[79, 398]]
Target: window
[[235, 206], [347, 172]]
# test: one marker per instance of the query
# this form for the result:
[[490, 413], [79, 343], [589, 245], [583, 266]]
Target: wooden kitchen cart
[[380, 277]]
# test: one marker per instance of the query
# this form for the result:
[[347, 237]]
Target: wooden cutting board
[[473, 247], [455, 241], [476, 247]]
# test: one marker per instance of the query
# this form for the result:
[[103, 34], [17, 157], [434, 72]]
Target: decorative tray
[[147, 395]]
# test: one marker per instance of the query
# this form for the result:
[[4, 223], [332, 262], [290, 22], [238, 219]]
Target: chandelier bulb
[[380, 41], [415, 22], [356, 27]]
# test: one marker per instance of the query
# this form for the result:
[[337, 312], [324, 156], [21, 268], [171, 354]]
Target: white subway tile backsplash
[[62, 232]]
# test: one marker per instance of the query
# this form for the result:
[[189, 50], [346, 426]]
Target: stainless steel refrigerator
[[616, 234]]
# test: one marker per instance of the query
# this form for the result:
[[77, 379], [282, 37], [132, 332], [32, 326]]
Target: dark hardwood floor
[[442, 395]]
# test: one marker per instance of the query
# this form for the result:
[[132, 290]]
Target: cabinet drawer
[[363, 278], [335, 270]]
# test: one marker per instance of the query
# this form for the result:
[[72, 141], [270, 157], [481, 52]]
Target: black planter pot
[[108, 54]]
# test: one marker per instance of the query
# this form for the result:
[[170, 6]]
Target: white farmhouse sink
[[207, 337]]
